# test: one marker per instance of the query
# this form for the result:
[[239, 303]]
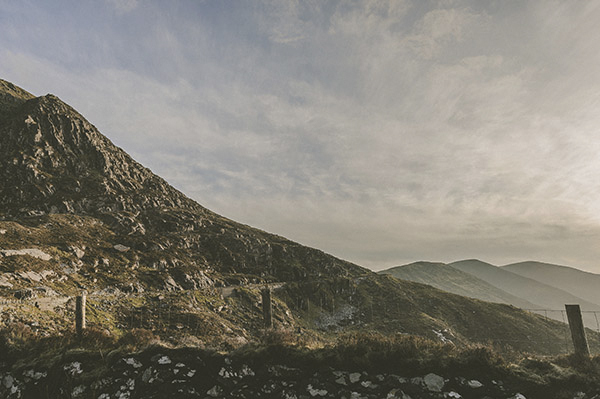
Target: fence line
[[181, 319]]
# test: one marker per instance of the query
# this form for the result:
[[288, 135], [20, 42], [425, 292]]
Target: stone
[[164, 360], [132, 362], [78, 391], [121, 248], [8, 381], [147, 375], [73, 369], [33, 252], [215, 391], [4, 280], [341, 380], [474, 384], [78, 252], [315, 391], [368, 384], [35, 375], [245, 371], [354, 377], [433, 382]]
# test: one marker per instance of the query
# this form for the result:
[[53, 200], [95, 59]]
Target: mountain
[[78, 213], [551, 299], [11, 97], [585, 284], [53, 161], [447, 278]]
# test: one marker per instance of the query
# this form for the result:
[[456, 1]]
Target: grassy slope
[[529, 289], [566, 278], [322, 306], [457, 282]]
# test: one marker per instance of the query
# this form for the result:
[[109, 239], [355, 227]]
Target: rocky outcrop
[[53, 161]]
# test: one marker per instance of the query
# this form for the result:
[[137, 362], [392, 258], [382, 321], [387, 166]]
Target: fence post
[[577, 331], [80, 314], [267, 307]]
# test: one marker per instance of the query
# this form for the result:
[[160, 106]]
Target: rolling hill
[[529, 289], [585, 284], [448, 278]]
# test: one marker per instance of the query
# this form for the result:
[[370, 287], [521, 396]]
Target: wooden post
[[267, 307], [577, 331], [80, 315]]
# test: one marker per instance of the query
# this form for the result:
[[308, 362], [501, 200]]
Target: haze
[[382, 132]]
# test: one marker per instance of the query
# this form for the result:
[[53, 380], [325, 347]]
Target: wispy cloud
[[382, 131], [123, 6]]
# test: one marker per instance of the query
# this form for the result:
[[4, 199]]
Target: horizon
[[383, 132]]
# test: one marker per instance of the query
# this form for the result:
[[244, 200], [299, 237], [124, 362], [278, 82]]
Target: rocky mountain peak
[[53, 160], [11, 96]]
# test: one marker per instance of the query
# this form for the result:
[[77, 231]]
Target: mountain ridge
[[563, 277], [11, 96], [447, 278], [60, 163], [526, 288]]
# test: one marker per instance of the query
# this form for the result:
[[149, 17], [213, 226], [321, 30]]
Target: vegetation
[[399, 354]]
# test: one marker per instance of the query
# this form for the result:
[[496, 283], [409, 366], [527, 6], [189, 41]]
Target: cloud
[[381, 131], [123, 6]]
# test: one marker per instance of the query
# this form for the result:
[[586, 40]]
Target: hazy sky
[[383, 132]]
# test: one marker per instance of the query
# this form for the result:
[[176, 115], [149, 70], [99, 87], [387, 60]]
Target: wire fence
[[163, 317], [590, 316]]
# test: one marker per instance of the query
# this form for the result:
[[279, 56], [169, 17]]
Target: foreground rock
[[191, 373]]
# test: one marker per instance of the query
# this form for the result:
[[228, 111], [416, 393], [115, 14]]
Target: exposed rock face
[[52, 160], [59, 162]]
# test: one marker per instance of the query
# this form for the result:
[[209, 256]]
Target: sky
[[381, 131]]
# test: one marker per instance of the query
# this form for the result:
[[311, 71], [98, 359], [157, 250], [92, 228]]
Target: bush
[[481, 356], [95, 338], [377, 351], [138, 338], [277, 337], [16, 337]]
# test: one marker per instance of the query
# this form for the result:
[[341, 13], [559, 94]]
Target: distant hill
[[447, 278], [531, 290], [586, 285]]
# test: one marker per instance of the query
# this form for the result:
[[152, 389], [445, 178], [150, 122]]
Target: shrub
[[277, 337], [96, 338], [377, 351], [16, 337], [138, 338]]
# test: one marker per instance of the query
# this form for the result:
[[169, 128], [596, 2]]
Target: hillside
[[585, 284], [78, 213], [447, 278], [531, 290], [550, 298]]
